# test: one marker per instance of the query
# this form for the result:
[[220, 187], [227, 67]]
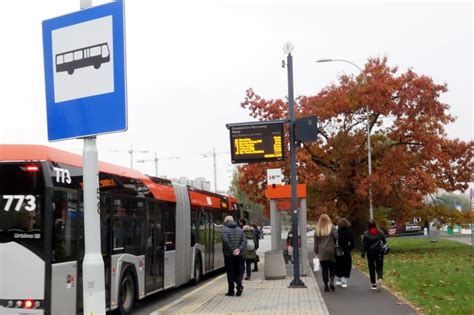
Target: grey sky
[[190, 62]]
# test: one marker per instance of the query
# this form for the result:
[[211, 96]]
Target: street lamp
[[369, 155]]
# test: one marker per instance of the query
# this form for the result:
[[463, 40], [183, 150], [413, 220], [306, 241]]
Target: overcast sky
[[190, 62]]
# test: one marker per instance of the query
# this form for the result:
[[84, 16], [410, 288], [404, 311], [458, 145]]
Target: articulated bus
[[155, 234]]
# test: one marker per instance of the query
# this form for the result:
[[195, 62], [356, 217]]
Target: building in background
[[199, 182]]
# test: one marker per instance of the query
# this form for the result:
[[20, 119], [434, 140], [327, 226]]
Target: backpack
[[250, 245], [377, 247]]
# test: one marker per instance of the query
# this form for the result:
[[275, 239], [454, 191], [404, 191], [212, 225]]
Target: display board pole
[[296, 282]]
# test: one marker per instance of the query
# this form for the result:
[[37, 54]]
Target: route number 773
[[20, 200]]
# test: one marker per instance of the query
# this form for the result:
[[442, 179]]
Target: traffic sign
[[85, 77]]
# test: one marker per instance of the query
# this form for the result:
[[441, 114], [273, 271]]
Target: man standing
[[234, 243]]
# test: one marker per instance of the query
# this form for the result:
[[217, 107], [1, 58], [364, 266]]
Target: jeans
[[375, 264]]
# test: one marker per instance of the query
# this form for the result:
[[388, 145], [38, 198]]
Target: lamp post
[[369, 155]]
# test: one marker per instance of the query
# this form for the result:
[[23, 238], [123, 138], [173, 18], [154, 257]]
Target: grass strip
[[436, 277]]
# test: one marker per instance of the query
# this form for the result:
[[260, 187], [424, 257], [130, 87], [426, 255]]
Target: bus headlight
[[19, 303], [37, 304]]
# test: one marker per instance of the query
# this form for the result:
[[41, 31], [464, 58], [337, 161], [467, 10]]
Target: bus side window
[[170, 226], [118, 224], [135, 227], [218, 220], [194, 225], [67, 221]]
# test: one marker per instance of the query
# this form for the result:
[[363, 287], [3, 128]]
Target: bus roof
[[160, 188], [32, 152]]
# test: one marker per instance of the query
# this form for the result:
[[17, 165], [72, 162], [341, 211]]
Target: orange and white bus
[[155, 234]]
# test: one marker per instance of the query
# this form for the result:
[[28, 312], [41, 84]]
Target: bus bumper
[[19, 311]]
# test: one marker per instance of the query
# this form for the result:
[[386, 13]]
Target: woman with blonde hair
[[325, 248]]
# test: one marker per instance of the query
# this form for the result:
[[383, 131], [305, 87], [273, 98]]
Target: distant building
[[199, 182], [202, 183]]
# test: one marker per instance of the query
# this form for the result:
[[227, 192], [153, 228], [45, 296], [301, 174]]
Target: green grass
[[437, 278]]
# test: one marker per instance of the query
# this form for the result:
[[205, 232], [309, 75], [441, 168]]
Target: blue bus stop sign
[[84, 67]]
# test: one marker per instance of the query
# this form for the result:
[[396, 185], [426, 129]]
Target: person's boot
[[331, 285], [326, 287]]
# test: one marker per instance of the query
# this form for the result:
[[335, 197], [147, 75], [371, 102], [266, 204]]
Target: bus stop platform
[[260, 296]]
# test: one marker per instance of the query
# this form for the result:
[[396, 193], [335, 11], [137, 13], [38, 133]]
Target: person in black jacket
[[233, 245], [256, 232], [372, 244], [346, 242]]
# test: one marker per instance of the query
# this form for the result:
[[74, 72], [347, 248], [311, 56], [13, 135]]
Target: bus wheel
[[126, 294], [70, 71], [197, 270], [97, 66]]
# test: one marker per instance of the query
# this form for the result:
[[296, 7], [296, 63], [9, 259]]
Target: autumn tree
[[411, 153]]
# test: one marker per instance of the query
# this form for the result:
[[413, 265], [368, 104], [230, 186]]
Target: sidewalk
[[260, 296], [358, 299]]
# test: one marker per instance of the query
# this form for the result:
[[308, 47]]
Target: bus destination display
[[256, 142]]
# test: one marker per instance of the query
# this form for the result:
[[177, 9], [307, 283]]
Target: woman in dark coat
[[346, 242], [372, 245], [325, 248]]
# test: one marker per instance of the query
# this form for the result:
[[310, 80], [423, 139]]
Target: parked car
[[267, 230]]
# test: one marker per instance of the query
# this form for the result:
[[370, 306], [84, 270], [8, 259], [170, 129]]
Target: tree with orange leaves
[[411, 154]]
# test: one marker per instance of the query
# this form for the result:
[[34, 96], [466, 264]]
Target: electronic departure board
[[256, 142]]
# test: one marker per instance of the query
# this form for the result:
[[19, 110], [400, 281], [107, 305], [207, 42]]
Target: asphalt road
[[358, 298]]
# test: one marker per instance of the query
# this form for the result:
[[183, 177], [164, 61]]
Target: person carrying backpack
[[373, 243], [250, 252]]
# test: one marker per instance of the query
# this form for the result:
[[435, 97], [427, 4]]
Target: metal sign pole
[[93, 286], [93, 283], [296, 282]]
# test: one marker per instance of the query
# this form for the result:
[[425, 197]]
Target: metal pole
[[93, 266], [215, 169], [369, 158], [296, 282], [93, 283], [156, 165]]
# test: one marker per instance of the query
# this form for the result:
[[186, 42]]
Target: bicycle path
[[358, 298]]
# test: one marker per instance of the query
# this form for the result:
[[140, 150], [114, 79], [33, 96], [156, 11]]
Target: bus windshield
[[21, 191]]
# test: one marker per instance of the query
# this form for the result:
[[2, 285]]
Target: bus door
[[209, 241], [68, 251], [154, 254]]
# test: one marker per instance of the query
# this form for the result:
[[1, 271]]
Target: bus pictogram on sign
[[83, 57]]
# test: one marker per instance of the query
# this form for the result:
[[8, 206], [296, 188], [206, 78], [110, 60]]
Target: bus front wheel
[[97, 66], [126, 294]]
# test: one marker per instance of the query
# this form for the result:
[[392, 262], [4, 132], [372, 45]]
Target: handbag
[[316, 265], [339, 251], [385, 249]]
